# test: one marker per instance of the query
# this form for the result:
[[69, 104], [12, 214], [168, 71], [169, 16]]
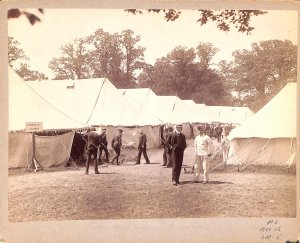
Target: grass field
[[146, 191]]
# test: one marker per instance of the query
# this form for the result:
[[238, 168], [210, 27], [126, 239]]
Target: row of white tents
[[77, 104]]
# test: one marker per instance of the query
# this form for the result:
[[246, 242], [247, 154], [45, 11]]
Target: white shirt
[[202, 145]]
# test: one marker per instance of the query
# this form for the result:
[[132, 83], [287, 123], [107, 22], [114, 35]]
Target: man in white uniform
[[203, 146]]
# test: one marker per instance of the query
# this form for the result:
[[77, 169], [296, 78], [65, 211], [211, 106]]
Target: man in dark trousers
[[142, 148], [177, 143], [92, 149], [164, 139], [219, 131], [103, 144], [167, 151], [116, 144]]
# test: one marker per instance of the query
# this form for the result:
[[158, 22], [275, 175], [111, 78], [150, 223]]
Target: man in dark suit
[[177, 143], [92, 149], [103, 144], [116, 144], [142, 148]]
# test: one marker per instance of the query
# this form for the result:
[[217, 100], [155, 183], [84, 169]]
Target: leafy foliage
[[225, 19], [15, 57], [72, 64], [16, 13], [256, 75], [27, 74], [187, 73], [115, 56], [15, 53]]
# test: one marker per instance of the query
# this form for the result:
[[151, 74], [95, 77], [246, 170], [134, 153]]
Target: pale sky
[[42, 41]]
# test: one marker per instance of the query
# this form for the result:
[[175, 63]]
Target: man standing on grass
[[116, 144], [219, 131], [167, 162], [103, 144], [92, 150], [225, 146], [202, 145], [177, 143], [142, 148]]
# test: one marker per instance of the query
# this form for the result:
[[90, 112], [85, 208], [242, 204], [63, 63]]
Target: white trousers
[[201, 162], [225, 151]]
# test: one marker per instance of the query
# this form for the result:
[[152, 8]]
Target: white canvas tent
[[162, 107], [170, 109], [97, 102], [25, 105], [159, 106], [194, 113], [231, 114], [269, 137]]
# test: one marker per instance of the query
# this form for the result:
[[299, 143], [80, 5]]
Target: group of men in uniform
[[97, 143], [175, 144]]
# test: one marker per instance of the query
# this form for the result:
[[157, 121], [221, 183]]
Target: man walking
[[103, 144], [202, 145], [92, 149], [142, 148], [116, 144], [177, 143]]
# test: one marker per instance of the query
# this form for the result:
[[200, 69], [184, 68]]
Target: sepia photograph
[[152, 114]]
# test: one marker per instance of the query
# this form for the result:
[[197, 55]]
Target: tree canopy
[[256, 75], [225, 19], [17, 60], [116, 56], [186, 72]]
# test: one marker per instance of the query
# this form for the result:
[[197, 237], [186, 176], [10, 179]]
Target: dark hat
[[200, 128], [120, 130]]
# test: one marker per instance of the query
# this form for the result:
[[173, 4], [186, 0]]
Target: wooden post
[[33, 163]]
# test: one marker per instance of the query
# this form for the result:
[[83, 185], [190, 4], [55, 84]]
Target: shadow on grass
[[219, 182], [134, 164], [211, 182], [107, 173], [186, 182]]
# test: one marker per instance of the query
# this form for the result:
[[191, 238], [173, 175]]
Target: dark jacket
[[177, 141], [167, 141], [103, 139], [93, 139], [117, 141], [142, 140]]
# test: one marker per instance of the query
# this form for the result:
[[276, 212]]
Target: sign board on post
[[34, 126]]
